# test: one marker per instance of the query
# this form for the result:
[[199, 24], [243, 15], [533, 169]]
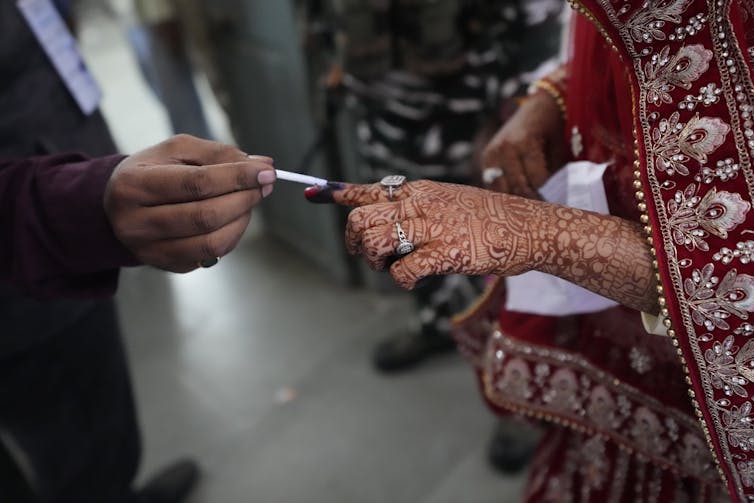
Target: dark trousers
[[15, 487], [67, 404]]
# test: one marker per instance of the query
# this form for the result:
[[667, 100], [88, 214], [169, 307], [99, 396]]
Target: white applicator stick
[[299, 178]]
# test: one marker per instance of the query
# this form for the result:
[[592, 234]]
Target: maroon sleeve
[[55, 239]]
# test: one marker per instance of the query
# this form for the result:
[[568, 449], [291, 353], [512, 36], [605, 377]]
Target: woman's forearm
[[604, 254]]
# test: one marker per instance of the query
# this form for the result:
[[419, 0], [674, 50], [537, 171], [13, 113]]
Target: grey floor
[[259, 368]]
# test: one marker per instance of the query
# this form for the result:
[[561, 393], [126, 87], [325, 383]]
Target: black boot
[[14, 486], [512, 446], [408, 349], [173, 484]]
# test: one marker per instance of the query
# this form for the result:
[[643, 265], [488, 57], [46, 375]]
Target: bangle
[[553, 90]]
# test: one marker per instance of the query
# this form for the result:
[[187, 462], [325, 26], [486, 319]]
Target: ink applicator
[[300, 178]]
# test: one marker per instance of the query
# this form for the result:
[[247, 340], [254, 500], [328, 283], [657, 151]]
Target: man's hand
[[528, 148], [185, 200]]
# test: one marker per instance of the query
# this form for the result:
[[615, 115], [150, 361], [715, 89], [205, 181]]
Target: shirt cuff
[[79, 227], [653, 324]]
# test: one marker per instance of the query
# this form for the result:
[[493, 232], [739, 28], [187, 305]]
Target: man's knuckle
[[183, 138], [205, 219], [213, 246], [177, 142], [357, 220], [210, 247], [122, 230], [118, 193], [197, 183], [253, 198], [244, 179], [218, 151]]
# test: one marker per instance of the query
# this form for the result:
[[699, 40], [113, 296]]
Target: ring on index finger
[[392, 183]]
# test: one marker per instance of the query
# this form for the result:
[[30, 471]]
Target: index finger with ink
[[322, 191], [389, 189], [345, 194]]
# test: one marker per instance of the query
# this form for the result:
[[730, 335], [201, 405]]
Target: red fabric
[[533, 362], [600, 106], [694, 352]]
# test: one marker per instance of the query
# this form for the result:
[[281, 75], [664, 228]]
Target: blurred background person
[[160, 40], [423, 79], [427, 83], [592, 369]]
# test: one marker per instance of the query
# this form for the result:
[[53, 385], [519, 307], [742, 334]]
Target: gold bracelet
[[551, 89]]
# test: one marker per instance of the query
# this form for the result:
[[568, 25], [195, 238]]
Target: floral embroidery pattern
[[518, 375], [746, 469], [594, 466], [707, 298], [676, 143], [664, 72], [729, 368], [725, 169], [712, 304], [738, 424], [743, 251], [647, 23], [693, 218], [708, 95], [641, 362]]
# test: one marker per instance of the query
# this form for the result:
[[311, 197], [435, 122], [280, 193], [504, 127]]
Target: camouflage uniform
[[422, 77]]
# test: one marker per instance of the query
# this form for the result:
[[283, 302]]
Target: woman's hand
[[466, 230], [528, 148], [455, 229]]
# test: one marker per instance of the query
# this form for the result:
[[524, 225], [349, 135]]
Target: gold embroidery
[[739, 96], [567, 389]]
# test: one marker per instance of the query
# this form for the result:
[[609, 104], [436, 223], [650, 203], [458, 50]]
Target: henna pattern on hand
[[466, 230], [604, 254]]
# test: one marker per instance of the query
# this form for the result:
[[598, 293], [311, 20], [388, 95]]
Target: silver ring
[[489, 175], [210, 262], [404, 245], [392, 183]]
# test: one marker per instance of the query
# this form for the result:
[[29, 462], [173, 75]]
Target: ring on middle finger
[[405, 246]]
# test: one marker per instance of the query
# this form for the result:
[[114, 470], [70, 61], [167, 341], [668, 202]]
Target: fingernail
[[267, 177], [267, 190], [262, 158], [322, 193]]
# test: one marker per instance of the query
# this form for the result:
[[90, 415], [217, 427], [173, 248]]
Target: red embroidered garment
[[663, 88]]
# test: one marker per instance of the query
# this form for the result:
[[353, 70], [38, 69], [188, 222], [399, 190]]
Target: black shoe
[[171, 485], [512, 446], [406, 350]]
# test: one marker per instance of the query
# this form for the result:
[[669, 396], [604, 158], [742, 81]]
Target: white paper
[[577, 185]]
